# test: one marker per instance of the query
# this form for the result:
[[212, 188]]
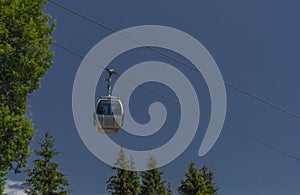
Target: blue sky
[[255, 44]]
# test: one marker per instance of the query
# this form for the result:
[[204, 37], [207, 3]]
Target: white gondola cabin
[[109, 113]]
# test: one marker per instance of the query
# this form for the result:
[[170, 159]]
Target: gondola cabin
[[109, 114]]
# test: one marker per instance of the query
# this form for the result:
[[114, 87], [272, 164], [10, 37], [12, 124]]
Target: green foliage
[[169, 191], [25, 52], [14, 138], [44, 178], [134, 185], [197, 181], [152, 182], [194, 183], [208, 176], [25, 56], [125, 181], [2, 181], [15, 132], [122, 161]]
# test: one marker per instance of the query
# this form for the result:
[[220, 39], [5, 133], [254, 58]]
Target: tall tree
[[194, 182], [135, 184], [152, 182], [126, 181], [208, 176], [25, 55], [44, 178]]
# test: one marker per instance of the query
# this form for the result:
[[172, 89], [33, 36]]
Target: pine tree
[[208, 176], [194, 183], [134, 185], [44, 178], [152, 182], [125, 181]]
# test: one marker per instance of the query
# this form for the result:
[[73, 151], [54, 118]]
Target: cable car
[[109, 113]]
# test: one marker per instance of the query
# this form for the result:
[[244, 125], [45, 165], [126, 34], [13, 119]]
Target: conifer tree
[[194, 183], [208, 176], [152, 182], [135, 184], [125, 181], [44, 178]]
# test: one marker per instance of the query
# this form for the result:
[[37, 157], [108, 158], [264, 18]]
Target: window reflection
[[108, 107]]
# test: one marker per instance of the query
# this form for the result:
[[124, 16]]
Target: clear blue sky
[[256, 45]]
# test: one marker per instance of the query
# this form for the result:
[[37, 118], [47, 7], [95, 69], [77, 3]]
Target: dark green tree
[[25, 55], [44, 178], [169, 191], [126, 181], [135, 184], [194, 182], [2, 181], [152, 182], [208, 176]]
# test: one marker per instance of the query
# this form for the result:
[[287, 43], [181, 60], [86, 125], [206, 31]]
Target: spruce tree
[[194, 183], [152, 182], [44, 178], [125, 181], [134, 185], [208, 176]]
